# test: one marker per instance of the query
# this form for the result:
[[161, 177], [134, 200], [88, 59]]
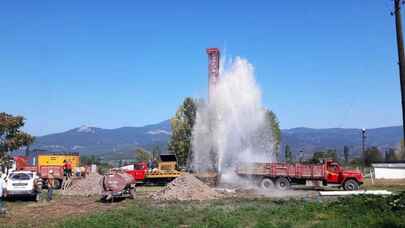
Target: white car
[[23, 183]]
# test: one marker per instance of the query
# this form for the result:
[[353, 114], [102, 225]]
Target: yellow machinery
[[57, 159], [166, 170]]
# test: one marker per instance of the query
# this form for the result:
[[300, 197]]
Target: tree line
[[370, 155]]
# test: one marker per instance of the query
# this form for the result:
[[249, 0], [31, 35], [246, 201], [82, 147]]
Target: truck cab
[[337, 174], [138, 171]]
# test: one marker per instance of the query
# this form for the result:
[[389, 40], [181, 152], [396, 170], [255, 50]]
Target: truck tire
[[282, 183], [351, 185], [266, 183]]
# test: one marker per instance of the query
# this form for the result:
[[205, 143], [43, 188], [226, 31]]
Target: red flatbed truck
[[282, 175]]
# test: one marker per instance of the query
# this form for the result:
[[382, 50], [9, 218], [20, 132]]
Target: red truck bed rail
[[282, 169], [284, 174]]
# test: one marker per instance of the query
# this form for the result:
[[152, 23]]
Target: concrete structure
[[389, 170], [213, 70]]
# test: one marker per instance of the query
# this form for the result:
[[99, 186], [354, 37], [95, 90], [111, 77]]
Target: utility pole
[[401, 58], [363, 141]]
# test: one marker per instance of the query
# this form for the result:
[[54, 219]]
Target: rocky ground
[[186, 187], [90, 185]]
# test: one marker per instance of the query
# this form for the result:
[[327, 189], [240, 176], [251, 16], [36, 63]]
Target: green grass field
[[359, 211]]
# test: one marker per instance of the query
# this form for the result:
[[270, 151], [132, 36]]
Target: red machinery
[[282, 175], [117, 184]]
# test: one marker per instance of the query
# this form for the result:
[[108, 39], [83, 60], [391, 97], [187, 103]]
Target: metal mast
[[401, 59], [213, 70]]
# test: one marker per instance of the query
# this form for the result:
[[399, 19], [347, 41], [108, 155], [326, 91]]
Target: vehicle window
[[333, 168], [138, 167], [20, 176]]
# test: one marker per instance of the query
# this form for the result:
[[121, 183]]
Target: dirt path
[[34, 214], [31, 214]]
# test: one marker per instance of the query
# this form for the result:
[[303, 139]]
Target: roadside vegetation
[[359, 211]]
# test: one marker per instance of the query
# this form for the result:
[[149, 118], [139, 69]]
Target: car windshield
[[20, 176]]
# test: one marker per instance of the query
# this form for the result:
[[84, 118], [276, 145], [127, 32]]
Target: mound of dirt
[[84, 186], [185, 187]]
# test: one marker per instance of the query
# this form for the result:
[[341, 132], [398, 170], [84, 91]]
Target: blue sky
[[125, 63]]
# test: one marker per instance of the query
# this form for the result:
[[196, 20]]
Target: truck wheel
[[351, 185], [266, 183], [282, 183]]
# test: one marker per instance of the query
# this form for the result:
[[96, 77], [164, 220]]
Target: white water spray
[[232, 128]]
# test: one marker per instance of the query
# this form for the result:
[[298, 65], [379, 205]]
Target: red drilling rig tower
[[213, 70]]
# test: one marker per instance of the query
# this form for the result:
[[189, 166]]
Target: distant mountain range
[[110, 143], [310, 140], [121, 142]]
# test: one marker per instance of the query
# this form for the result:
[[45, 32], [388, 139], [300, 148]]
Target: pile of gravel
[[185, 187], [90, 185]]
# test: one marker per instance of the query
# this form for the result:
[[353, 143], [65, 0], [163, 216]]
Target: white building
[[389, 170]]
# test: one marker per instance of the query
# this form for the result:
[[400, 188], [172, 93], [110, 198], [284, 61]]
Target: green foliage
[[88, 160], [319, 156], [400, 155], [346, 154], [390, 155], [142, 156], [275, 128], [288, 154], [371, 155], [182, 126], [11, 136], [356, 211], [103, 167]]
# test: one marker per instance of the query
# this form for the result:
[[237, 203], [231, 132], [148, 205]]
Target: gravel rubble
[[186, 187], [90, 185]]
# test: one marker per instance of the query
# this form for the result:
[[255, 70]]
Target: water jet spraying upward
[[232, 127]]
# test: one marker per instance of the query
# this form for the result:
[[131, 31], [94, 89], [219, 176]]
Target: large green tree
[[182, 127], [318, 156], [288, 154], [11, 135], [275, 128]]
